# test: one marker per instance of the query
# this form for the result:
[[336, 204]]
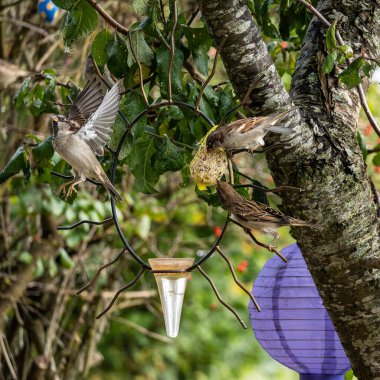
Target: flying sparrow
[[84, 133], [254, 215], [246, 133]]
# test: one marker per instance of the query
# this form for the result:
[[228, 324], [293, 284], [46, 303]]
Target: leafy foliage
[[155, 152]]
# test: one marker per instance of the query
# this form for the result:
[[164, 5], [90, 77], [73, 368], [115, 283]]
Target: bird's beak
[[54, 118]]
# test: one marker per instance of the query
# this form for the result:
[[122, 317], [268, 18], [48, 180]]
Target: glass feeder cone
[[171, 287]]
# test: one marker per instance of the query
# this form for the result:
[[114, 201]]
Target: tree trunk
[[325, 160]]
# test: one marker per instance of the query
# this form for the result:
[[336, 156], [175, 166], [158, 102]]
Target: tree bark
[[325, 160]]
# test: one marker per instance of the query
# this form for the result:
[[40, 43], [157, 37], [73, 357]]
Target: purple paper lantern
[[294, 326]]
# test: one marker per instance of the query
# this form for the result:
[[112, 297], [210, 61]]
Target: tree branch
[[110, 20]]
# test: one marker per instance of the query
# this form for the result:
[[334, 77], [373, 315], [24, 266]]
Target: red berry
[[284, 44], [217, 231], [242, 266], [368, 130]]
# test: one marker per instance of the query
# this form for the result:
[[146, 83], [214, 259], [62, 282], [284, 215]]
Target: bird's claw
[[70, 191], [272, 248], [62, 188]]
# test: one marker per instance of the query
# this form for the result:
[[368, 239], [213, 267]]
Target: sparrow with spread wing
[[82, 135], [246, 133], [254, 215]]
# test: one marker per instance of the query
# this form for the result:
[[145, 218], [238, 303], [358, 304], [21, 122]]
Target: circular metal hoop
[[127, 246]]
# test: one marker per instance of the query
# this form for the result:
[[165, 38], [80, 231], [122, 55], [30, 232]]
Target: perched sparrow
[[253, 215], [85, 132], [246, 133]]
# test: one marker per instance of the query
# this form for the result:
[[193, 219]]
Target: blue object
[[47, 10], [294, 326]]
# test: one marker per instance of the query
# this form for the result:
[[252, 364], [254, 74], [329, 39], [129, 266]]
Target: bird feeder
[[171, 278], [294, 326]]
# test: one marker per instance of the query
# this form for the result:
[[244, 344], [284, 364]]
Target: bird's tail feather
[[111, 189], [301, 223], [280, 130]]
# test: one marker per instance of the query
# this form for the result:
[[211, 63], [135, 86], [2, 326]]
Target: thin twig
[[244, 100], [376, 196], [359, 87], [199, 78], [124, 288], [219, 48], [120, 28], [238, 283], [142, 329], [137, 85], [100, 269], [5, 6], [192, 18], [225, 304], [374, 150], [262, 150], [26, 25], [270, 248], [172, 47], [141, 79], [162, 12], [267, 190], [7, 357]]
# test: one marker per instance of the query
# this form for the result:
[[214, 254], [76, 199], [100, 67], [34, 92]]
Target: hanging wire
[[123, 289], [224, 303], [105, 221], [238, 283]]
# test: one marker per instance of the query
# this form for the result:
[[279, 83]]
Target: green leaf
[[117, 52], [18, 162], [65, 260], [80, 21], [53, 269], [259, 195], [44, 150], [210, 196], [25, 257], [143, 227], [141, 7], [143, 52], [368, 69], [362, 144], [64, 4], [376, 159], [199, 43], [21, 93], [40, 268], [169, 157], [350, 76], [131, 105], [163, 59], [346, 50], [331, 36], [140, 164], [329, 62], [99, 47]]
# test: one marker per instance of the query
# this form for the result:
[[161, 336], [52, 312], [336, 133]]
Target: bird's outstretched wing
[[86, 103], [98, 129]]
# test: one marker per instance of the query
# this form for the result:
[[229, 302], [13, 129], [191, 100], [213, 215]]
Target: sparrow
[[246, 133], [82, 135], [254, 215]]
